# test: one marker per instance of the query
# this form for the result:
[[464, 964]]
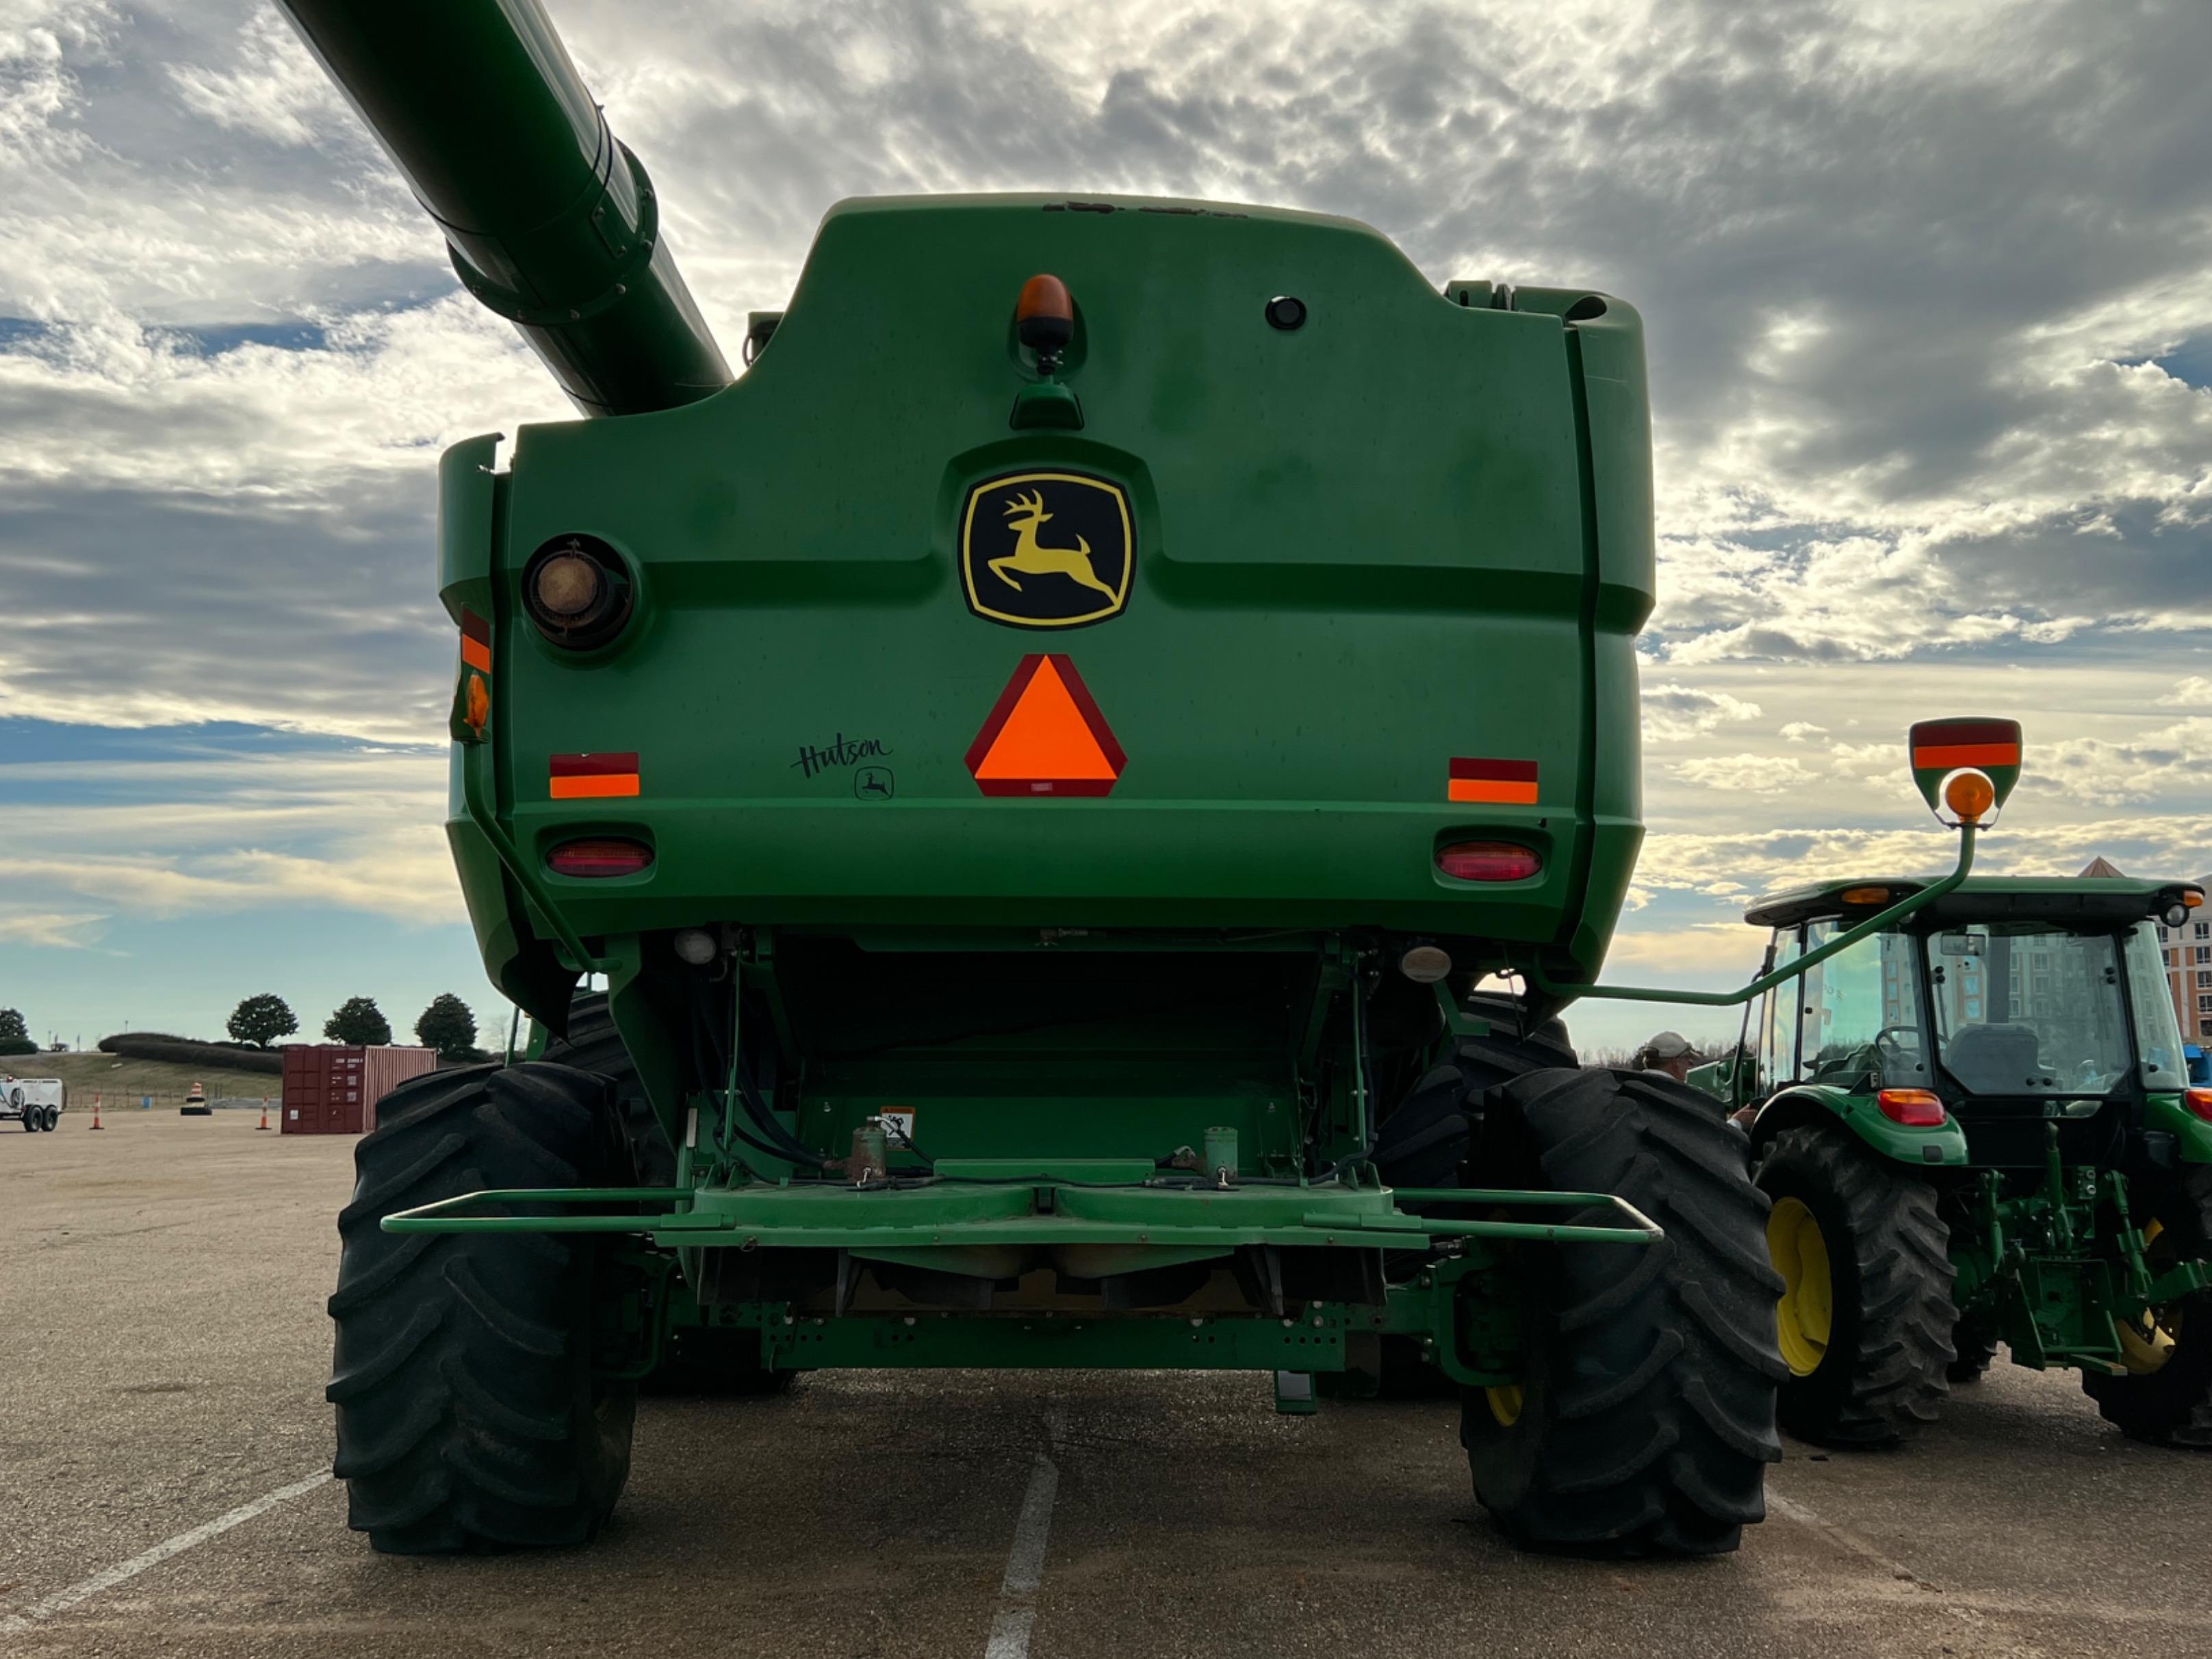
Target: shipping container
[[332, 1089]]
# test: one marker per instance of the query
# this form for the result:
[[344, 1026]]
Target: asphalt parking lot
[[163, 1350]]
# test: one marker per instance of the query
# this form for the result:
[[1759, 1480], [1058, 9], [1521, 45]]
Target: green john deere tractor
[[1975, 1128], [1041, 763]]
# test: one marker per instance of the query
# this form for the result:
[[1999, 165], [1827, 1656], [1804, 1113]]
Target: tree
[[358, 1020], [261, 1020], [448, 1026], [14, 1035]]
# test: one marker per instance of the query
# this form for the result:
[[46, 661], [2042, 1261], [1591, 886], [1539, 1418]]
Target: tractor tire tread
[[2173, 1405], [1900, 1349]]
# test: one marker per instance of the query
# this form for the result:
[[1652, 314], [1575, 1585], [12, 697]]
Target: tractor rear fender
[[2166, 1114], [1811, 1105]]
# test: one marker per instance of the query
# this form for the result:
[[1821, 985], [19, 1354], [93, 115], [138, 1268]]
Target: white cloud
[[2191, 691], [1758, 775]]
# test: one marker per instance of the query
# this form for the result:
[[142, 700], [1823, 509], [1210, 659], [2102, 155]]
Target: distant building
[[2188, 951]]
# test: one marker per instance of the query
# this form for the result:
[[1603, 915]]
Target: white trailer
[[36, 1102]]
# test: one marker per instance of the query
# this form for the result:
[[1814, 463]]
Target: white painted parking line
[[109, 1578], [1010, 1631], [1805, 1516]]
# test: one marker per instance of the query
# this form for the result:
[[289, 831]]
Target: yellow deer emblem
[[1026, 515]]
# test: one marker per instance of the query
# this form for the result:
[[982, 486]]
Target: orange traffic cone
[[264, 1114], [95, 1111]]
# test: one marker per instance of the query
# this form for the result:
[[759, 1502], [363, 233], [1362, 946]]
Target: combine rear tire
[[469, 1418], [595, 1045], [2165, 1398], [1645, 1415], [1866, 1315], [1423, 1142], [695, 1360]]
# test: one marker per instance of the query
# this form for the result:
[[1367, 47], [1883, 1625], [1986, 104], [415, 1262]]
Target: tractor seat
[[1994, 1059]]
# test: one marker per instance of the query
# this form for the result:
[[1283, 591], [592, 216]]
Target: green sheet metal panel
[[1363, 549]]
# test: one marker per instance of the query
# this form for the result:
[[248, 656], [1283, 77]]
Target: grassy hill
[[121, 1082]]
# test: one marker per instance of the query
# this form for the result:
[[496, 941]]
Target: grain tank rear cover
[[1290, 609]]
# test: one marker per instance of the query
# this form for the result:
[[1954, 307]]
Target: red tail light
[[1916, 1109], [599, 855], [1487, 861], [2199, 1101]]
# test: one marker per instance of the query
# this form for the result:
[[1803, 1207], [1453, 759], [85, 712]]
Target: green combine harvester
[[1975, 1127], [1041, 763]]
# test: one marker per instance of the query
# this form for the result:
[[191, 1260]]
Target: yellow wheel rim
[[1800, 1254], [2148, 1344], [1505, 1404]]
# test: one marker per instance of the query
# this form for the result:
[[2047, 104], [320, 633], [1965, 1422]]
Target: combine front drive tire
[[1866, 1316], [2165, 1397], [468, 1415], [1645, 1414]]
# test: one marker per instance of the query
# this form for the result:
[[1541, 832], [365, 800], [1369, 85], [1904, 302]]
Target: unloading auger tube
[[551, 221]]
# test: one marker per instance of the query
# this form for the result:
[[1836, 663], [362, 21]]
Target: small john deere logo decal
[[1046, 549]]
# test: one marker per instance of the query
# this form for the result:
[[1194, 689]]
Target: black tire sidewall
[[1807, 1399]]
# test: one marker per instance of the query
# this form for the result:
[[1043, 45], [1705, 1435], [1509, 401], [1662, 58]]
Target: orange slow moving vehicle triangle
[[1045, 735]]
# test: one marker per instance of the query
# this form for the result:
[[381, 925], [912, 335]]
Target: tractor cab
[[2003, 1006]]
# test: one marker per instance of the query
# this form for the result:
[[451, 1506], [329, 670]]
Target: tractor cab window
[[1859, 1014], [1778, 1019], [2157, 1034], [2025, 1008]]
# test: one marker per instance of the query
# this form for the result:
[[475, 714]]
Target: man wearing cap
[[1670, 1052]]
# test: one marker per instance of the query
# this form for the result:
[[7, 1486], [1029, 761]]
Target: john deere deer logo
[[1016, 572]]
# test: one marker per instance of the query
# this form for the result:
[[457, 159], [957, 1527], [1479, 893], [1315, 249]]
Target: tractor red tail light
[[1916, 1109], [2199, 1101], [599, 855], [1487, 861]]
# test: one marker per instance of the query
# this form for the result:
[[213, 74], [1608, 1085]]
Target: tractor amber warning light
[[1487, 861], [1916, 1109], [1044, 316], [1865, 895], [599, 855], [2199, 1101], [1969, 794]]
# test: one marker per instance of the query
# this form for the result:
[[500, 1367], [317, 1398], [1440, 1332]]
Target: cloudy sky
[[1929, 294]]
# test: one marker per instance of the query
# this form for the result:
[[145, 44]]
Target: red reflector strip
[[1942, 757], [1504, 782], [476, 642], [1937, 734], [593, 777]]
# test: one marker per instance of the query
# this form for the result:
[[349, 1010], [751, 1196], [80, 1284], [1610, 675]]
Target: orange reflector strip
[[594, 788], [1497, 790], [476, 642], [1500, 782], [593, 777], [1045, 735], [1942, 757]]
